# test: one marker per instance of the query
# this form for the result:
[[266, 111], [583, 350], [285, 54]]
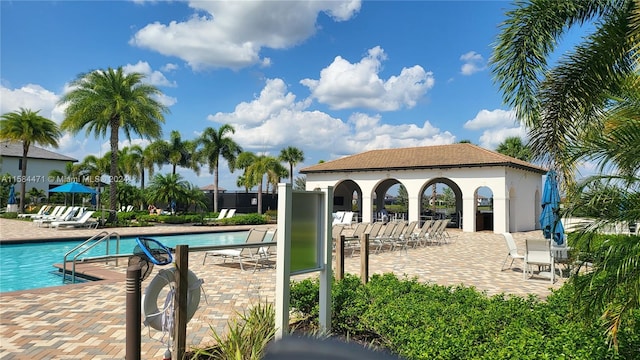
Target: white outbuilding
[[361, 181]]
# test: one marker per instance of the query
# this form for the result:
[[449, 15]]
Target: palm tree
[[164, 189], [176, 152], [243, 161], [215, 143], [292, 156], [558, 104], [107, 101], [586, 107], [514, 147], [28, 127], [255, 172]]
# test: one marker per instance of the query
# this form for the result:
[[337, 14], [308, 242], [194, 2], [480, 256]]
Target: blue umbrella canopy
[[550, 218], [73, 187], [12, 195]]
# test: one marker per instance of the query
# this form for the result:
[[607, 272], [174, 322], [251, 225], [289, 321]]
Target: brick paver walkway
[[87, 321]]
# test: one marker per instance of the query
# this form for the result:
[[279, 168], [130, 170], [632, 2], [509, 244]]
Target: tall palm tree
[[28, 127], [292, 156], [107, 101], [559, 103], [262, 166], [176, 152], [243, 161], [216, 143], [583, 108], [514, 147]]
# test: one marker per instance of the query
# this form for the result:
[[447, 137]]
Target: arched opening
[[347, 196], [384, 197], [484, 208], [441, 198]]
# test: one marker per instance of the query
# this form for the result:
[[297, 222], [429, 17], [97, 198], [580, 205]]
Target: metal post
[[364, 259], [182, 287], [340, 258], [133, 314]]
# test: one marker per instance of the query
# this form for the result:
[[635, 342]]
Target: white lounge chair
[[538, 252], [242, 254], [67, 215], [230, 213], [513, 251], [83, 221], [55, 212], [40, 212]]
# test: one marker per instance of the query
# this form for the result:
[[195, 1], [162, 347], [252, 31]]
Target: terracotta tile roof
[[425, 157], [14, 149]]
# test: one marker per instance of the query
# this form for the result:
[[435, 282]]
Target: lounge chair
[[67, 215], [513, 251], [40, 212], [242, 254], [221, 215], [538, 252], [83, 221], [231, 213], [55, 212]]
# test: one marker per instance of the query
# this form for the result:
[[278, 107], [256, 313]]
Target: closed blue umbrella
[[550, 218], [12, 195]]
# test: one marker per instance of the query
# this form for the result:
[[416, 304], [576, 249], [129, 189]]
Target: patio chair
[[55, 212], [67, 215], [230, 213], [83, 221], [538, 252], [513, 251], [40, 212], [241, 254]]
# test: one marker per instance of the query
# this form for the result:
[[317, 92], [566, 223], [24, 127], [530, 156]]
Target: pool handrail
[[105, 235]]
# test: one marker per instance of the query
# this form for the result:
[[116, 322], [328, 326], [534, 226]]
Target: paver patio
[[87, 321]]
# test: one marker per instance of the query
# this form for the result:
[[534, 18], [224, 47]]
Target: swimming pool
[[29, 265]]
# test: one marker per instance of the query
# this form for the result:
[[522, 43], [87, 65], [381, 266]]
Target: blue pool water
[[29, 265]]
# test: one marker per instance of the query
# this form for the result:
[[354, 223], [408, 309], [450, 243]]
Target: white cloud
[[232, 33], [33, 97], [170, 67], [472, 63], [153, 77], [343, 85], [274, 120], [491, 138], [491, 119]]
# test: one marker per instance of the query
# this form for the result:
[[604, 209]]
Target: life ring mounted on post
[[155, 317]]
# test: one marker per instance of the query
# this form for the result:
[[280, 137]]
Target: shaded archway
[[347, 196], [441, 198], [380, 195], [483, 200]]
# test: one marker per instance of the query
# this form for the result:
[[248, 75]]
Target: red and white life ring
[[153, 316]]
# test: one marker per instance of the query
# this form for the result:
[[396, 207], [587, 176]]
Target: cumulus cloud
[[153, 77], [343, 85], [472, 63], [275, 119], [231, 34], [491, 138], [491, 119], [33, 97]]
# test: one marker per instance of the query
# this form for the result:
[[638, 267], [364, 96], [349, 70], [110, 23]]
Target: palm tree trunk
[[23, 183], [291, 173], [260, 197], [215, 188], [113, 171]]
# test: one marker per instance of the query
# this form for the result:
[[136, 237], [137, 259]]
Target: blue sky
[[332, 78]]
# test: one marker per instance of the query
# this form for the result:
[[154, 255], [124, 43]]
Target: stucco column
[[413, 208], [468, 213], [500, 213], [367, 205]]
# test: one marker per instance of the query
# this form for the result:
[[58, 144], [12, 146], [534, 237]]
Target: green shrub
[[244, 219], [426, 321], [10, 215]]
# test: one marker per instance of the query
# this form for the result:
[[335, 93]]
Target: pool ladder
[[86, 246]]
